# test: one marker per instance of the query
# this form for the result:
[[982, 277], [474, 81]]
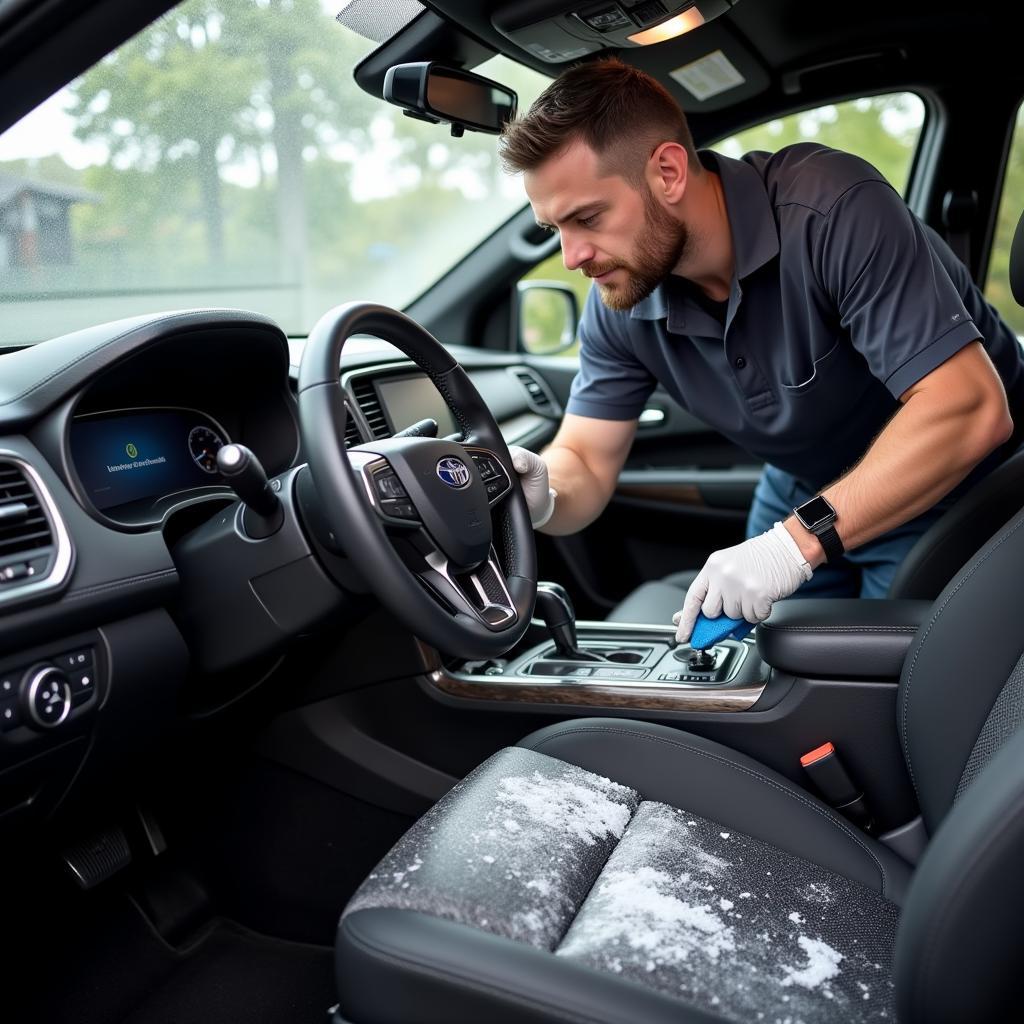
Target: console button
[[77, 660], [8, 685], [10, 715], [83, 685]]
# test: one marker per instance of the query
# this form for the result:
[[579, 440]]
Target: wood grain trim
[[597, 695], [676, 494]]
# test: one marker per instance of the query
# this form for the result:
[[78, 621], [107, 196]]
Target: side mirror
[[547, 314], [434, 93]]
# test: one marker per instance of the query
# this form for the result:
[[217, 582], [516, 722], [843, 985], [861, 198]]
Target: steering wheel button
[[388, 486], [8, 686]]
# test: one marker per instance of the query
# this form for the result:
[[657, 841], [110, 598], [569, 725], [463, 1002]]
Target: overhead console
[[580, 29]]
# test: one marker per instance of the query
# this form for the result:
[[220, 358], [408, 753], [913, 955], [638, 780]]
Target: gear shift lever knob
[[555, 608]]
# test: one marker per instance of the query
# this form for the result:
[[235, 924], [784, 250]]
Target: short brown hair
[[620, 112]]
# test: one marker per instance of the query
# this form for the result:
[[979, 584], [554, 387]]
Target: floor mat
[[236, 977], [111, 968]]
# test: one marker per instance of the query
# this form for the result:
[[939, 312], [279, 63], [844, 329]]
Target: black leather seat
[[616, 871], [939, 552]]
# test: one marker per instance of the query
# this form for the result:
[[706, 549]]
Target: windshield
[[226, 157]]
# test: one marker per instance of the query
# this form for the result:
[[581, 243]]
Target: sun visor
[[580, 29], [378, 21]]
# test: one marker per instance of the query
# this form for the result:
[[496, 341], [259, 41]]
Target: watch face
[[814, 512]]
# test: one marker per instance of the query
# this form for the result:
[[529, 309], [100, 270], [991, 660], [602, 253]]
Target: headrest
[[1017, 263]]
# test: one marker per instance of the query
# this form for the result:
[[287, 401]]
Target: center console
[[609, 665], [641, 669], [630, 667]]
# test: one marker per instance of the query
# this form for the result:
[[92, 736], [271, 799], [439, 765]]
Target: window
[[226, 156], [997, 288], [884, 130]]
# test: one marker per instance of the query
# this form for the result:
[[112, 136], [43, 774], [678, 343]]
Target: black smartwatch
[[818, 516]]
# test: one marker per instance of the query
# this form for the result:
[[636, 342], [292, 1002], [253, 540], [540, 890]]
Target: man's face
[[614, 233]]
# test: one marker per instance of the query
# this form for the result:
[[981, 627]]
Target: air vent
[[24, 529], [352, 434], [35, 550], [537, 392], [369, 405]]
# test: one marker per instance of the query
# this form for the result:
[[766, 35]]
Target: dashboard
[[128, 593]]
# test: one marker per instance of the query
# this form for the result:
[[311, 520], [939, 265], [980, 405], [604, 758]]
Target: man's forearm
[[582, 496], [920, 456]]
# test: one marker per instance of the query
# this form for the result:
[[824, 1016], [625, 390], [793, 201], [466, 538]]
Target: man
[[790, 301]]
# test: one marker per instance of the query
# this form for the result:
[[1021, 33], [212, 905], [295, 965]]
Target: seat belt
[[959, 208]]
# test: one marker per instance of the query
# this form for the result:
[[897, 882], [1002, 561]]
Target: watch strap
[[830, 541]]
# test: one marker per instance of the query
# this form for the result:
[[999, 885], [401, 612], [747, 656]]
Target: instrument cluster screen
[[127, 458]]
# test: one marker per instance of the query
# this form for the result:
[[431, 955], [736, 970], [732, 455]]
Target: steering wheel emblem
[[453, 472]]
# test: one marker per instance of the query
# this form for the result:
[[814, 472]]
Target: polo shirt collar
[[755, 236]]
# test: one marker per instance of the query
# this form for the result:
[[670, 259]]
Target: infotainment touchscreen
[[407, 400], [128, 457]]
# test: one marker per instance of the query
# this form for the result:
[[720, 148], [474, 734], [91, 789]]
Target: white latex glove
[[742, 582], [533, 478]]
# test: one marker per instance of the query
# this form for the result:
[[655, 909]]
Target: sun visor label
[[708, 76]]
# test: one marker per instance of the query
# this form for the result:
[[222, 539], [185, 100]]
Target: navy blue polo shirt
[[841, 300]]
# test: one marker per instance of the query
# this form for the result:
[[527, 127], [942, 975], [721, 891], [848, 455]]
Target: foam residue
[[585, 811], [822, 964], [664, 913]]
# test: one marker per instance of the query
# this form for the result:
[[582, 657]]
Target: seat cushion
[[697, 885]]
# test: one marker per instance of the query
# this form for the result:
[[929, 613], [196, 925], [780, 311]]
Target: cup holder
[[625, 657]]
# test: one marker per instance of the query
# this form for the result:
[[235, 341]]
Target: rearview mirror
[[432, 92]]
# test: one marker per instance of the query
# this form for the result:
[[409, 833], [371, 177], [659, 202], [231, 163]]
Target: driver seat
[[608, 870]]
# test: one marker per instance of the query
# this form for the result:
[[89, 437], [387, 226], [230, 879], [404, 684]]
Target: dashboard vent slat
[[352, 433], [24, 526], [369, 405]]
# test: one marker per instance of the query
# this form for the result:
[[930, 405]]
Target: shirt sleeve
[[612, 384], [895, 298]]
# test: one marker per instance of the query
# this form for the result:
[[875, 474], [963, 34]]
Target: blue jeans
[[864, 572]]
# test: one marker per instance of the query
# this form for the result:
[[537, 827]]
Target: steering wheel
[[439, 529]]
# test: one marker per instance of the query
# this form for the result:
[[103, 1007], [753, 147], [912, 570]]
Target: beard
[[659, 247]]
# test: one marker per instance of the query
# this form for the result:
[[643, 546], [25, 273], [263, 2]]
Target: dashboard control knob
[[46, 695]]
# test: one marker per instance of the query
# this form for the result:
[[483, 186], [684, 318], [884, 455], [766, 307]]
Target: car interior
[[301, 720]]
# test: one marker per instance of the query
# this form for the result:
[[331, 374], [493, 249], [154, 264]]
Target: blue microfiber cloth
[[707, 632]]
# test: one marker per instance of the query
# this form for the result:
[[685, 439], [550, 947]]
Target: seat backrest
[[947, 545], [961, 705]]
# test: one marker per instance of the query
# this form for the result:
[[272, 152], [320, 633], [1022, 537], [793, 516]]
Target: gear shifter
[[555, 608]]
